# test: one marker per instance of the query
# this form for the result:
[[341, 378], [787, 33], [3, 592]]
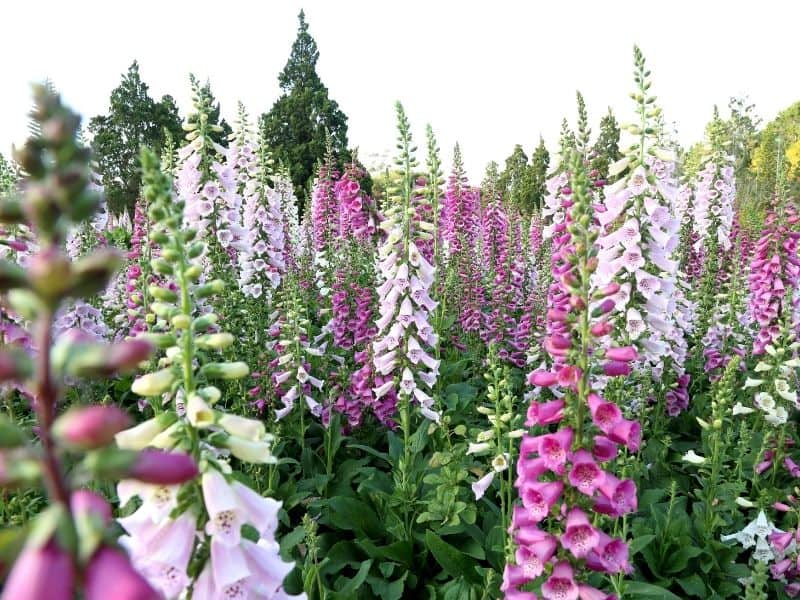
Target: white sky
[[486, 74]]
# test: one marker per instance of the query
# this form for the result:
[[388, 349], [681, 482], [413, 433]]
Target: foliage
[[296, 126], [134, 119]]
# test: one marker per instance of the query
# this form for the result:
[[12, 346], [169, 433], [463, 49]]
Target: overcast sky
[[486, 74]]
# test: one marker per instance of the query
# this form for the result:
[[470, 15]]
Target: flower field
[[403, 385]]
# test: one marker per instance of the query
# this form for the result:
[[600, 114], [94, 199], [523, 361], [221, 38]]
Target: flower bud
[[49, 273], [110, 569], [542, 378], [193, 273], [215, 341], [161, 266], [90, 427], [92, 273], [140, 436], [254, 452], [196, 250], [606, 306], [11, 276], [153, 384], [25, 303], [163, 294], [181, 321], [232, 370], [210, 394], [248, 429], [41, 573], [216, 286], [91, 514], [15, 365], [624, 354], [204, 322], [126, 356], [601, 329], [167, 439], [162, 468], [159, 340]]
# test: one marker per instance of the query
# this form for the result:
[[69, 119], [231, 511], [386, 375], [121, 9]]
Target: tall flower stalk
[[69, 548], [559, 473], [190, 537]]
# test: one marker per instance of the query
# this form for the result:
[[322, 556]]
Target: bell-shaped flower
[[561, 583], [479, 487], [538, 498], [579, 536], [585, 475]]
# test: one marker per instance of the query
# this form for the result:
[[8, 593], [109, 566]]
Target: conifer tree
[[296, 126], [540, 162], [606, 148], [134, 120]]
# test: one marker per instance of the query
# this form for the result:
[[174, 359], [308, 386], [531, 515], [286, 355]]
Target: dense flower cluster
[[560, 473]]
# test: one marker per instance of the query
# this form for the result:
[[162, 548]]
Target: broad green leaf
[[452, 560]]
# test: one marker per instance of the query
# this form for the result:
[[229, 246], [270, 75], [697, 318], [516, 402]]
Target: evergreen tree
[[490, 185], [540, 162], [606, 148], [295, 128], [134, 120], [515, 181]]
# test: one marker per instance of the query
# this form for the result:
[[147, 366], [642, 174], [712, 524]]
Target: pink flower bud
[[14, 365], [560, 342], [781, 507], [577, 302], [602, 328], [625, 353], [125, 356], [542, 378], [90, 427], [163, 468], [616, 368], [611, 289], [111, 571], [605, 307], [87, 502], [17, 245], [35, 572]]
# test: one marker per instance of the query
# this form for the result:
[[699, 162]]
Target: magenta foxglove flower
[[34, 572]]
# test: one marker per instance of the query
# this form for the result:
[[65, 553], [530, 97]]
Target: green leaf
[[372, 451], [344, 553], [639, 542], [640, 589], [388, 590], [348, 591], [693, 585], [452, 560], [679, 560], [354, 515], [292, 539]]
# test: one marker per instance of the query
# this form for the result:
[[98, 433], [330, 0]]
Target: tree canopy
[[296, 126], [134, 120]]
